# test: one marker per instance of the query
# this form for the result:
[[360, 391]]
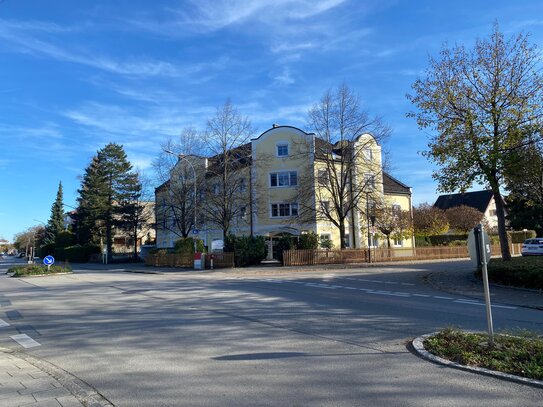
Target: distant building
[[483, 201]]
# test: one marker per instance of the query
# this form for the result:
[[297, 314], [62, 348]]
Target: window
[[283, 210], [369, 180], [282, 150], [284, 179], [242, 185], [322, 177], [493, 212], [243, 212], [368, 153], [325, 236], [396, 209], [216, 189], [325, 206], [346, 240], [397, 242], [373, 241]]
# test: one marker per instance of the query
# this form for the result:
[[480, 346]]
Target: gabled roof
[[392, 186], [477, 199]]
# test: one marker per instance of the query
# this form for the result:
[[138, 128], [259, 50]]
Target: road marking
[[25, 341], [421, 295], [443, 298], [3, 323], [407, 284], [351, 288], [482, 304]]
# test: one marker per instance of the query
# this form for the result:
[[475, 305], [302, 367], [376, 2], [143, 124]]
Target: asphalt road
[[318, 339]]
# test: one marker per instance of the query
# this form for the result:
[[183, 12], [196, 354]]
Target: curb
[[82, 391], [418, 345]]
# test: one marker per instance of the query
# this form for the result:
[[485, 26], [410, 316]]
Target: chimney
[[275, 125]]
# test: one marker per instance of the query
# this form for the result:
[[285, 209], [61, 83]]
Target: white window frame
[[290, 206], [282, 173], [369, 180], [395, 244], [325, 206], [368, 153], [323, 177], [282, 144]]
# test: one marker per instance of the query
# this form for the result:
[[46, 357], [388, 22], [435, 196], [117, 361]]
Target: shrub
[[308, 241], [248, 250], [524, 272], [285, 243], [326, 243], [37, 269], [185, 245], [519, 236], [77, 253], [47, 249], [64, 239]]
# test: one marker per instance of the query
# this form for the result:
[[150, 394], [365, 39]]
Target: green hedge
[[440, 240], [519, 236], [248, 250], [185, 245], [524, 272], [76, 254]]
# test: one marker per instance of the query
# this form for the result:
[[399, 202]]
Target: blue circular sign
[[49, 260], [195, 231]]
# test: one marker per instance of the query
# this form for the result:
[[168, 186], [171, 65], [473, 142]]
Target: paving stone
[[69, 401], [46, 403], [17, 401], [51, 393], [7, 394], [31, 387]]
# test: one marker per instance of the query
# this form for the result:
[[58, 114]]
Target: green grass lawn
[[524, 272], [37, 269], [520, 355]]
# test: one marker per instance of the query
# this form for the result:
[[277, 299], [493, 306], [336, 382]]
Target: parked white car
[[532, 247]]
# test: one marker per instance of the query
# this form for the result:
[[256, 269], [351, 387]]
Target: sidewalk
[[28, 381], [22, 384]]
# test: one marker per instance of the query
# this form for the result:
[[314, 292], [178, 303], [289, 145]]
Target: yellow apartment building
[[286, 183]]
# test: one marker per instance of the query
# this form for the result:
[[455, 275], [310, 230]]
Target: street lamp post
[[182, 157]]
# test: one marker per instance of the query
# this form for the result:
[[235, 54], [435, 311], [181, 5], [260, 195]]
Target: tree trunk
[[342, 234], [500, 213]]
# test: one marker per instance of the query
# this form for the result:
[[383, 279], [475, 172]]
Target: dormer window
[[282, 150]]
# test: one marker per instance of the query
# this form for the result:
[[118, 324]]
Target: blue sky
[[76, 75]]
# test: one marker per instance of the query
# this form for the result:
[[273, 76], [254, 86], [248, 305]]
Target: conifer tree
[[55, 225], [106, 191]]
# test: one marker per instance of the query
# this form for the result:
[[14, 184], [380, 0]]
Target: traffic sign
[[49, 260], [195, 231]]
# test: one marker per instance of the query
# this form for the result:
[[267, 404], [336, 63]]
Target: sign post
[[48, 261], [479, 250]]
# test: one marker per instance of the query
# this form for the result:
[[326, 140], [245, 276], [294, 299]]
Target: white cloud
[[23, 36], [285, 77]]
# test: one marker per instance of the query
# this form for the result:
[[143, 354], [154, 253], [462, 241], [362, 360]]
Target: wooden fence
[[375, 255], [220, 260]]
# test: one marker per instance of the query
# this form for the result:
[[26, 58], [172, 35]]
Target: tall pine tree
[[55, 225], [105, 195]]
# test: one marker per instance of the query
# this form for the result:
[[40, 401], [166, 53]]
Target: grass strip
[[520, 355], [37, 270]]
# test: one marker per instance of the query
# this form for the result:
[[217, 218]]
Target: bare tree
[[175, 204], [228, 189], [347, 170]]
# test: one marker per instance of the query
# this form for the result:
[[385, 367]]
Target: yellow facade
[[284, 190]]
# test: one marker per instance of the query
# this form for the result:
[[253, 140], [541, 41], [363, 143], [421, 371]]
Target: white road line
[[25, 341], [442, 298], [351, 288], [407, 284], [421, 295], [3, 323], [482, 304]]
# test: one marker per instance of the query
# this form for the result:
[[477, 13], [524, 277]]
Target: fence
[[220, 260], [308, 257]]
